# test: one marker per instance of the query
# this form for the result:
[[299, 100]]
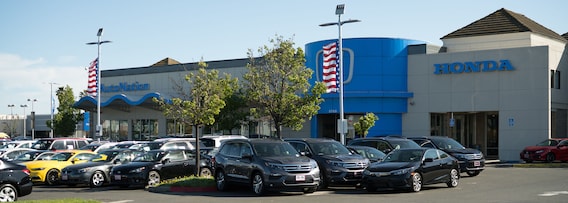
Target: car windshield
[[448, 144], [104, 156], [275, 149], [28, 156], [62, 156], [548, 143], [329, 148], [404, 156], [370, 153], [42, 144], [151, 156], [403, 144], [45, 156]]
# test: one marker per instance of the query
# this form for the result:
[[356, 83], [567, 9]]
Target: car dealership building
[[495, 84]]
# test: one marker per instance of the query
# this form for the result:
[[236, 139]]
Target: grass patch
[[541, 165], [60, 201], [190, 181]]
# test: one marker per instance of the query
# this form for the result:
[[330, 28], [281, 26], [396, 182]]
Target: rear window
[[208, 142]]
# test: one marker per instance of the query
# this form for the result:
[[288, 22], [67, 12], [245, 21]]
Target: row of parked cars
[[309, 164]]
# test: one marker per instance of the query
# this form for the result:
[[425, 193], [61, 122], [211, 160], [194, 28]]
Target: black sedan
[[15, 181], [96, 171], [153, 166], [411, 169]]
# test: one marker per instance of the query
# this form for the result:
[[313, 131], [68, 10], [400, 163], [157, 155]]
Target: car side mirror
[[165, 161], [305, 153], [116, 161], [428, 160]]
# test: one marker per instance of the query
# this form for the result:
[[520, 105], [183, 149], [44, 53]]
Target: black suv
[[264, 164], [337, 164], [384, 143], [471, 160]]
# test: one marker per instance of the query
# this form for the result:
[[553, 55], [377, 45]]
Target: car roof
[[311, 139]]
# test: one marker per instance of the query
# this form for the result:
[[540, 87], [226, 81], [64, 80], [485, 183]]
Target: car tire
[[204, 172], [51, 177], [473, 173], [454, 178], [416, 181], [323, 182], [8, 193], [257, 184], [220, 181], [97, 179], [550, 157], [153, 178]]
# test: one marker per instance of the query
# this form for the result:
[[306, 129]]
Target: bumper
[[292, 181], [390, 181], [139, 179], [38, 176], [74, 178], [533, 156], [342, 176], [472, 165], [25, 188]]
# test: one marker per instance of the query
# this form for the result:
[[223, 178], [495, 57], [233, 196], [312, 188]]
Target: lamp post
[[11, 119], [52, 109], [33, 117], [342, 123], [24, 106], [99, 132]]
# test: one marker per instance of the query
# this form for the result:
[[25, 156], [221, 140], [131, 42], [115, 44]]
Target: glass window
[[432, 154]]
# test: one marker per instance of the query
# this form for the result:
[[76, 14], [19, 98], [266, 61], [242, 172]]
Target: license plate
[[476, 163], [117, 177], [64, 177], [300, 178]]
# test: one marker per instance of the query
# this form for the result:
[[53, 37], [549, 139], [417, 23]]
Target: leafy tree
[[364, 124], [206, 99], [277, 85], [67, 117], [234, 114]]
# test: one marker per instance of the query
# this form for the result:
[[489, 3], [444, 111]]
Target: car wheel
[[454, 178], [220, 181], [550, 157], [416, 180], [52, 177], [323, 182], [153, 178], [473, 173], [257, 184], [97, 179], [310, 190], [8, 193], [205, 172]]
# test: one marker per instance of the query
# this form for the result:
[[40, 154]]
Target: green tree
[[277, 85], [365, 123], [234, 114], [206, 98], [67, 117]]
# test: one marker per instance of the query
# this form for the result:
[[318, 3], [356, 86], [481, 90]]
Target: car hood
[[87, 165], [343, 157], [390, 166], [133, 165], [287, 160], [535, 148], [463, 151]]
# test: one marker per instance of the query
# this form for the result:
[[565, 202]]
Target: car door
[[172, 164], [561, 151], [189, 163], [432, 166], [244, 163], [229, 158]]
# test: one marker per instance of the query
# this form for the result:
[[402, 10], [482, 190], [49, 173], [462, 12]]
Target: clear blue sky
[[43, 42]]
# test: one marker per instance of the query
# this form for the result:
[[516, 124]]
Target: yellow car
[[48, 171]]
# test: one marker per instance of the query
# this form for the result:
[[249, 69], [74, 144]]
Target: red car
[[548, 151]]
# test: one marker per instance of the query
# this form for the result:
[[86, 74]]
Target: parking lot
[[495, 184]]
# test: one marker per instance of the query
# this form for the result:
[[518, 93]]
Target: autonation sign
[[125, 87], [471, 67]]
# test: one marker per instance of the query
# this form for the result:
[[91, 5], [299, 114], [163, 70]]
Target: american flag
[[93, 83], [330, 67]]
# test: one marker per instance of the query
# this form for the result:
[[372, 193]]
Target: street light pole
[[342, 123], [33, 117], [99, 132], [11, 119], [24, 106], [52, 110]]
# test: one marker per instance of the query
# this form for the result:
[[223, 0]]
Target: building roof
[[565, 35], [166, 62], [503, 21]]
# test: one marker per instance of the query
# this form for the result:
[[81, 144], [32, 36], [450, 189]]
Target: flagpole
[[341, 123], [99, 132]]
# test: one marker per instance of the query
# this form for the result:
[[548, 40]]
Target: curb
[[162, 189]]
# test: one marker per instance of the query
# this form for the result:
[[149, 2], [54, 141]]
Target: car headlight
[[314, 164], [84, 170], [336, 163], [401, 171], [539, 151], [138, 170], [274, 165]]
